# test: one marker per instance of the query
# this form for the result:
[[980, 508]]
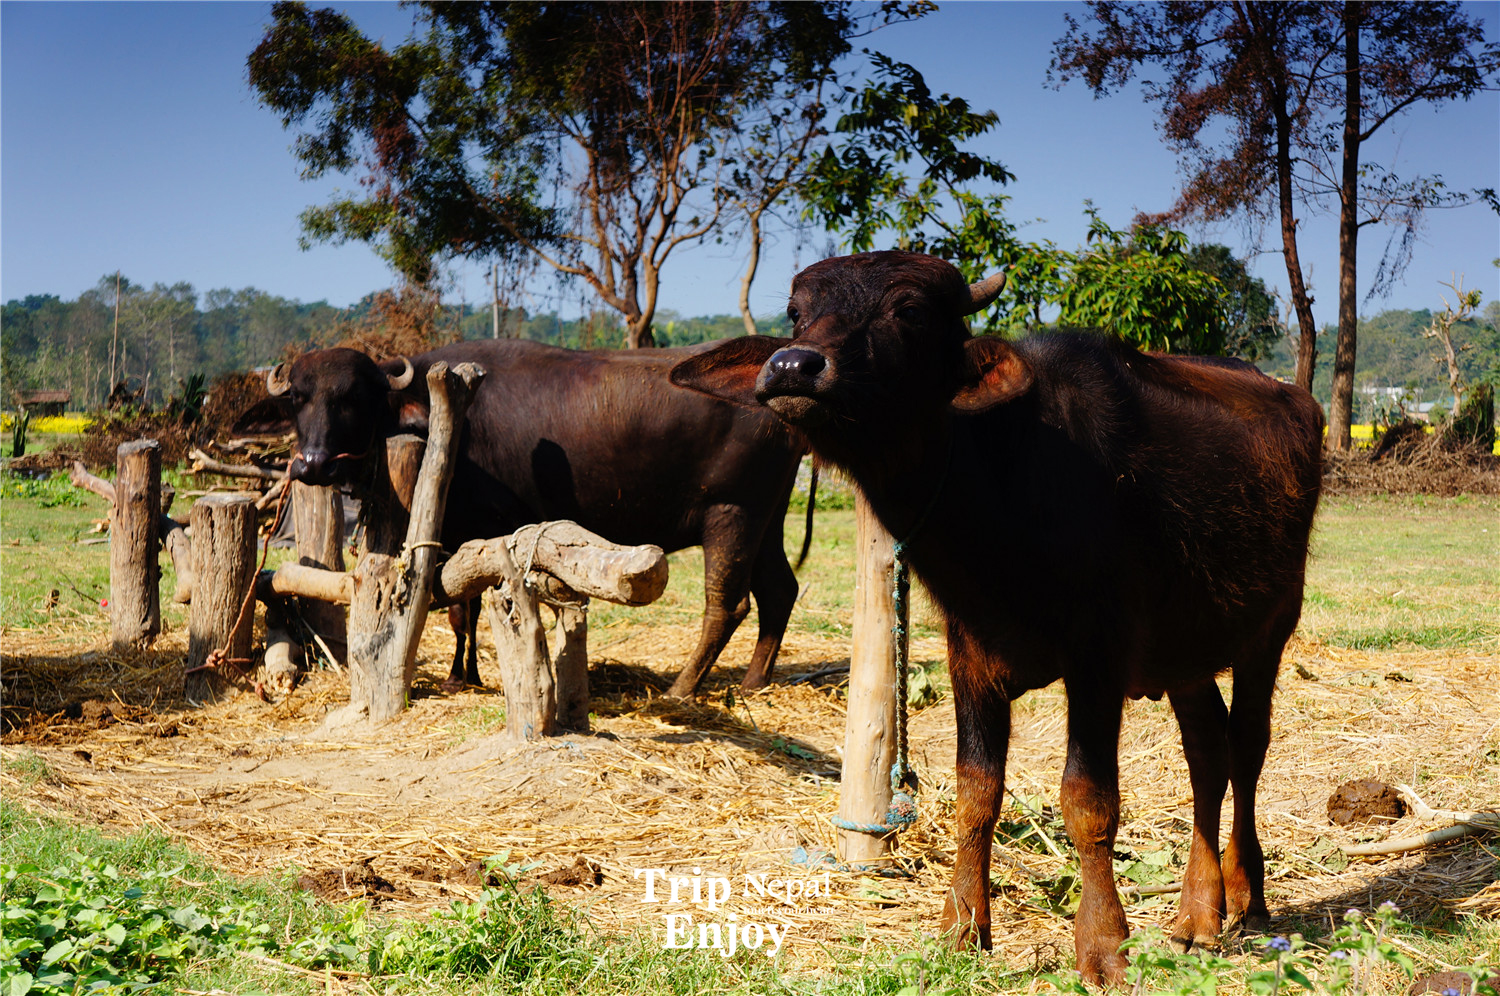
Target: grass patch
[[1405, 572], [56, 563]]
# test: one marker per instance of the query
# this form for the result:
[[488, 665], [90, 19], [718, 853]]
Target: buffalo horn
[[276, 381], [983, 293], [402, 380]]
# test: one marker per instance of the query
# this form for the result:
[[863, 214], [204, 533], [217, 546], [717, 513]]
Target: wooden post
[[572, 665], [383, 519], [224, 569], [395, 593], [134, 536], [318, 520], [870, 726], [522, 655]]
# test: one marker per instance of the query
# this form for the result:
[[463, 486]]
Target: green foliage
[[1394, 354], [48, 492], [589, 139], [859, 185], [187, 404], [1473, 425], [164, 332], [1143, 287], [82, 926], [18, 429]]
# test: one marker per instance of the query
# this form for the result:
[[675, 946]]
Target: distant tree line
[[167, 333], [164, 333], [1393, 354]]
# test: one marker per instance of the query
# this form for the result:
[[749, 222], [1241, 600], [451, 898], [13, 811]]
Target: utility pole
[[115, 342], [495, 298]]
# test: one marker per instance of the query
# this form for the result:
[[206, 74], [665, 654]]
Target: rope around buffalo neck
[[903, 809]]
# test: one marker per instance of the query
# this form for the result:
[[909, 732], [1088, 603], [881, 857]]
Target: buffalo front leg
[[727, 560], [1204, 723], [774, 585], [1091, 813], [983, 713]]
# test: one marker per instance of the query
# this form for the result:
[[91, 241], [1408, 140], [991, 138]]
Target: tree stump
[[224, 568], [134, 536], [318, 521], [870, 724]]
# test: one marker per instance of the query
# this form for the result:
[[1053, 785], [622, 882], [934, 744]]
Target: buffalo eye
[[909, 313], [793, 315]]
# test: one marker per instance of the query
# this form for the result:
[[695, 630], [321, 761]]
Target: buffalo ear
[[272, 417], [411, 413], [994, 373], [728, 372]]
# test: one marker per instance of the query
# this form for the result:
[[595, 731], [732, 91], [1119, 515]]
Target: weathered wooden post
[[318, 522], [383, 515], [870, 725], [223, 570], [394, 593], [572, 664], [134, 537], [562, 564], [526, 672]]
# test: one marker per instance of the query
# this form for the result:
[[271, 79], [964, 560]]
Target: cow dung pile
[[1364, 800], [738, 785]]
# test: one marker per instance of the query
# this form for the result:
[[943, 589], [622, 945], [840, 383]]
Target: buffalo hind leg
[[1091, 813], [1205, 727], [983, 713], [464, 618], [1249, 736], [726, 592], [774, 585]]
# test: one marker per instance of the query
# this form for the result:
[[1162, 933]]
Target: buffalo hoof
[[1104, 969], [452, 685]]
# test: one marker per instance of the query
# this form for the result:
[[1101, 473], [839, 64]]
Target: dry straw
[[734, 786]]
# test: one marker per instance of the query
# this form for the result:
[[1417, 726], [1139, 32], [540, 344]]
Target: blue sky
[[129, 139]]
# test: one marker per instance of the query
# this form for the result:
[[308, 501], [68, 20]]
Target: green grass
[[144, 910], [48, 544], [1386, 573], [825, 604], [1405, 573]]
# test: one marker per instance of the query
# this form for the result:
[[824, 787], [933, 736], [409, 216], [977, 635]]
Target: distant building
[[43, 403]]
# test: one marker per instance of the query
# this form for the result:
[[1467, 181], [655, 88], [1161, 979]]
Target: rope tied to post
[[902, 812], [904, 785]]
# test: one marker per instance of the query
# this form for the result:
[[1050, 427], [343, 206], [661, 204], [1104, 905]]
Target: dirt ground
[[729, 786]]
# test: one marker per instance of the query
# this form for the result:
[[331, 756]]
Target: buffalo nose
[[309, 466], [793, 370]]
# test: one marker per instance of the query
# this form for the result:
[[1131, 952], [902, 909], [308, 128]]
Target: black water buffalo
[[1134, 524], [599, 437]]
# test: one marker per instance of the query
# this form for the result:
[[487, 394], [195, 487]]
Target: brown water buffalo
[[599, 437], [1134, 524]]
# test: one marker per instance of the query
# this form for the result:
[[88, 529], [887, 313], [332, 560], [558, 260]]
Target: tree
[[595, 137], [858, 185], [1461, 309], [1301, 86], [1252, 330], [1142, 286]]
